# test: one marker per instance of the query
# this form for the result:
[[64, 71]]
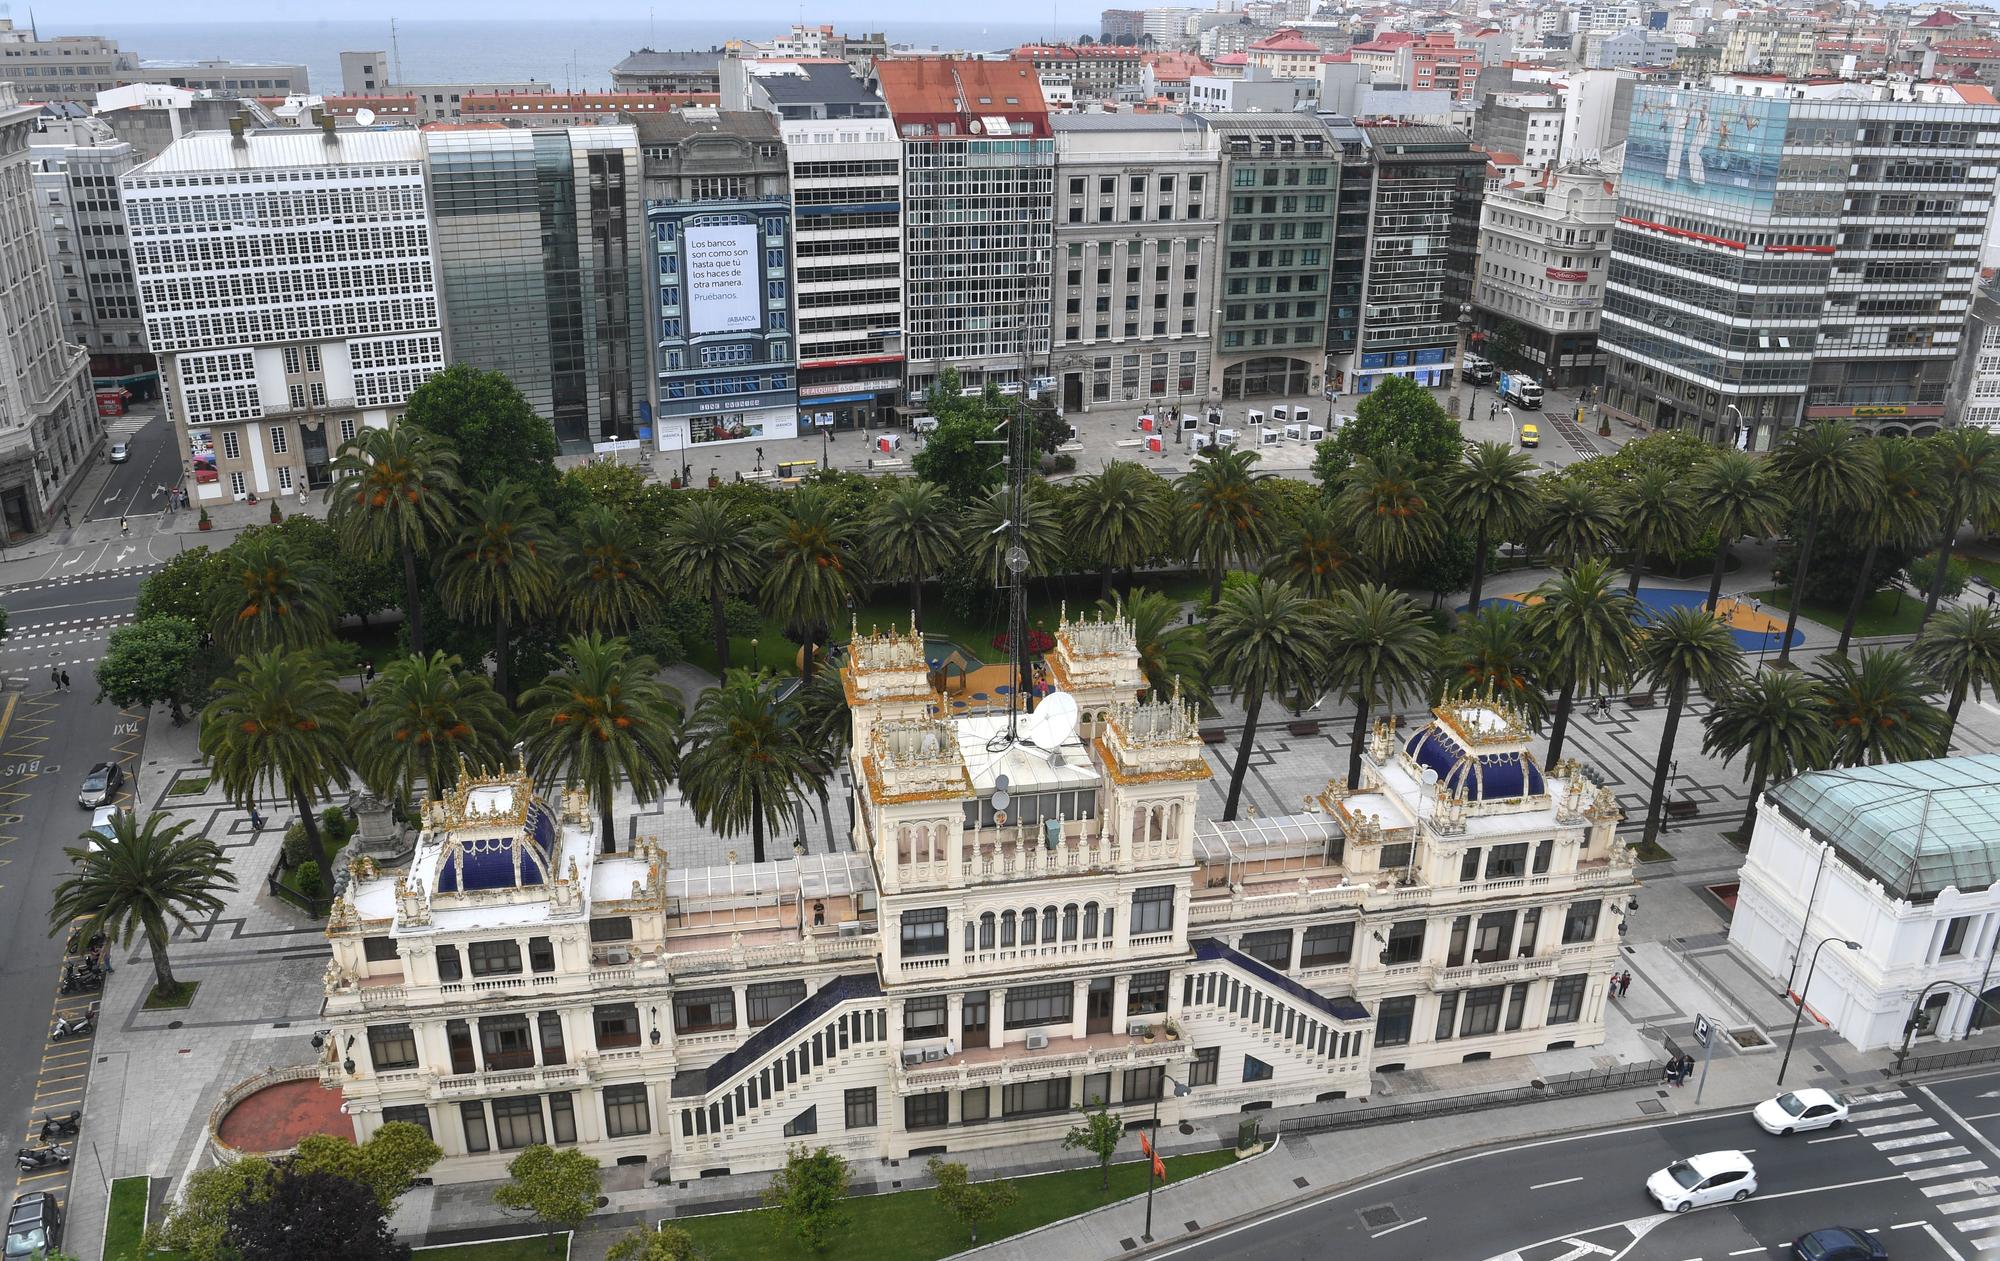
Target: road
[[1919, 1165], [154, 460]]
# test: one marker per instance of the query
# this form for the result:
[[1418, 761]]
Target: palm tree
[[1880, 707], [1577, 522], [1390, 505], [1898, 510], [1825, 465], [1961, 649], [1685, 649], [266, 599], [1493, 491], [708, 550], [827, 728], [1735, 495], [1492, 652], [613, 582], [1967, 483], [1315, 552], [1656, 517], [812, 565], [282, 721], [1120, 516], [1585, 627], [501, 567], [1171, 653], [142, 878], [1225, 514], [747, 757], [393, 495], [1379, 649], [982, 531], [1778, 721], [424, 716], [1268, 640], [912, 536], [601, 718]]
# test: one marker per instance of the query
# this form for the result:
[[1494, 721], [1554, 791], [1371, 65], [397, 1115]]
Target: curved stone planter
[[224, 1152]]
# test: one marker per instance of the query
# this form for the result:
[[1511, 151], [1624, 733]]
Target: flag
[[1146, 1146], [1159, 1169]]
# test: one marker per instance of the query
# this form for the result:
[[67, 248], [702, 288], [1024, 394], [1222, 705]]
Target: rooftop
[[1917, 827], [930, 89], [284, 148], [747, 124], [1124, 122], [812, 83], [647, 61]]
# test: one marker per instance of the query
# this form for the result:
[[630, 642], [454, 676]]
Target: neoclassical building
[[1031, 918]]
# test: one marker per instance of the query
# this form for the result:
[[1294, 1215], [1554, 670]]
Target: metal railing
[[1951, 1059], [1568, 1086]]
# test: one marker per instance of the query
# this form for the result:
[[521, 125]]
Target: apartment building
[[1095, 71], [1526, 125], [1423, 232], [1285, 55], [575, 109], [677, 72], [62, 67], [1788, 252], [49, 431], [978, 210], [1121, 26], [1975, 392], [1544, 254], [1437, 63], [719, 212], [1137, 213], [77, 161], [369, 73], [541, 260], [1772, 45], [987, 954], [230, 78], [289, 284]]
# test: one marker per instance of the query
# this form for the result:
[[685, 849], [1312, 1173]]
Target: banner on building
[[724, 294]]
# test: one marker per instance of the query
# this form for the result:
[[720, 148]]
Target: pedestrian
[[55, 679], [256, 820], [1673, 1067], [1492, 409], [124, 526], [65, 516], [65, 681], [1624, 985], [1687, 1068]]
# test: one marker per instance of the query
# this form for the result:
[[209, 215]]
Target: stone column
[[1121, 994], [1079, 1007], [954, 1018], [996, 1017]]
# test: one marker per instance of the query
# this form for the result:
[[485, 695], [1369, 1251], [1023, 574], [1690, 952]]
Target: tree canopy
[[485, 417]]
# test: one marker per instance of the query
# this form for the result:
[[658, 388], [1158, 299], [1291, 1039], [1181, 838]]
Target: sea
[[569, 55]]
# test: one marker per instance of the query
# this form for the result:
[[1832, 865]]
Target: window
[[562, 1117], [1255, 1069], [1153, 910], [391, 1047], [859, 1106], [1327, 944], [1406, 943], [972, 1018], [1273, 948], [494, 958], [231, 447], [1148, 994], [517, 1122], [448, 969], [541, 954], [617, 1024], [1145, 1083], [277, 439], [626, 1112], [505, 1042], [552, 1037], [473, 1117], [378, 949], [1447, 1024], [1517, 1006], [923, 1112], [1504, 862], [1566, 1000], [975, 1105], [771, 1000], [1032, 1005], [1580, 925], [1202, 1071], [1392, 1020], [413, 1114], [1544, 850], [612, 928], [924, 1017], [704, 1009], [347, 429], [1954, 937], [1482, 1010], [1035, 1098], [925, 932]]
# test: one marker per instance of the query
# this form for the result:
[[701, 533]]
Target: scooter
[[57, 1124], [33, 1158], [77, 945], [83, 983], [81, 1027]]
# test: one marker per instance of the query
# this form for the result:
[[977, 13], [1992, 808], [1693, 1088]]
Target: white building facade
[[1543, 251]]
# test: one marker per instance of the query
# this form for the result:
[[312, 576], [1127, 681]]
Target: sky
[[77, 15]]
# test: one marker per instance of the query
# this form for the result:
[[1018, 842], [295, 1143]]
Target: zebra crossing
[[119, 428], [1962, 1189]]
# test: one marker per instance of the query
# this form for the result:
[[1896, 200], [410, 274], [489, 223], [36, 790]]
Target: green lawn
[[1987, 569], [126, 1220], [909, 1225], [1884, 613], [160, 1000], [530, 1248], [189, 786]]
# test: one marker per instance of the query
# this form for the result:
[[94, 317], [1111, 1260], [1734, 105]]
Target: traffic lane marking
[[1399, 1226], [1561, 1182], [1835, 1139]]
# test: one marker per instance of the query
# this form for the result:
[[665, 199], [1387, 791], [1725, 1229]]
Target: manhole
[[603, 1200], [1652, 1107], [173, 1024], [1379, 1216], [1192, 1225], [1301, 1183], [1128, 1243]]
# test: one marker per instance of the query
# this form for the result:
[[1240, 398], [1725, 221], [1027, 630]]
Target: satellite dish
[[1053, 724], [364, 117]]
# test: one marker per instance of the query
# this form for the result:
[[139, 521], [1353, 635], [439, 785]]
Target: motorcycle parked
[[31, 1159], [81, 981], [77, 944], [55, 1125], [81, 1027]]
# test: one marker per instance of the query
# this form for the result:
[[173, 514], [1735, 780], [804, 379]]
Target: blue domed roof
[[502, 862], [1479, 777]]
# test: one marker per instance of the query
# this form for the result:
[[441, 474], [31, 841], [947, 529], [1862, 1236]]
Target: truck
[[1520, 389], [1476, 371]]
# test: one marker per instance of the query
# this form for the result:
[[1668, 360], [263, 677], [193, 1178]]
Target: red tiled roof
[[1941, 18], [1285, 41], [1338, 59], [948, 89], [530, 103], [1232, 59]]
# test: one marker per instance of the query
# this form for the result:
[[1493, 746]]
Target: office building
[[1255, 92], [1544, 251], [1422, 234], [965, 972], [77, 161], [978, 205], [228, 78], [1121, 26], [369, 74], [49, 431], [1353, 197], [725, 359], [542, 265], [1137, 211], [151, 116], [62, 67], [575, 109], [1975, 392], [682, 72], [1281, 179], [289, 286], [1788, 252]]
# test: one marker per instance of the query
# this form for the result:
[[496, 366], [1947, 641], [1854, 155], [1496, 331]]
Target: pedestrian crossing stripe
[[1879, 1114], [1966, 1206], [1960, 1188], [1915, 1140], [1899, 1127], [1870, 1100]]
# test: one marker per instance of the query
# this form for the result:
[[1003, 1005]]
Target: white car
[[1800, 1110], [1704, 1179], [120, 453]]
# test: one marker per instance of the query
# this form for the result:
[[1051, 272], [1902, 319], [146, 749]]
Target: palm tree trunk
[[826, 815], [757, 825], [1104, 583], [1638, 568], [163, 970], [500, 682], [1715, 578], [1750, 811], [1798, 590], [1951, 717], [1675, 700], [1215, 585], [916, 603], [1360, 733], [308, 819], [718, 625], [609, 839], [1250, 713], [1560, 727], [1861, 594], [806, 661], [413, 611], [1478, 571], [1943, 564]]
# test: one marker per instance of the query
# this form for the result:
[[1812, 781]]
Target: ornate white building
[[1022, 926]]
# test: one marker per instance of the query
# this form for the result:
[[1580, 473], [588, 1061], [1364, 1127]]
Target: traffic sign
[[1704, 1029]]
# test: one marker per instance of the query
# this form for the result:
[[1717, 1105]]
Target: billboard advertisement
[[1706, 145], [724, 293]]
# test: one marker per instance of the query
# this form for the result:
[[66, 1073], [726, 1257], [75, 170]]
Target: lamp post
[[1916, 1007], [1805, 922], [1457, 366], [1736, 435], [1798, 1014], [1179, 1090]]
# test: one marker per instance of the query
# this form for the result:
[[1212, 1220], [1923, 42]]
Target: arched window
[[1089, 921], [1006, 928], [1048, 924], [986, 931], [1139, 825], [903, 843], [1028, 927], [1174, 821], [1110, 913], [971, 938], [1069, 922]]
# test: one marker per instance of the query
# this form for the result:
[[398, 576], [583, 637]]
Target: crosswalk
[[1961, 1188], [119, 428]]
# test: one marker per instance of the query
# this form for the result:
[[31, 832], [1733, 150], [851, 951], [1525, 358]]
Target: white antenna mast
[[395, 52]]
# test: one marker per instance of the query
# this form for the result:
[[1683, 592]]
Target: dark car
[[34, 1225], [1838, 1243], [100, 785]]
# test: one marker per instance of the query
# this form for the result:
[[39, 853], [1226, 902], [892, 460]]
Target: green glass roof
[[1918, 827]]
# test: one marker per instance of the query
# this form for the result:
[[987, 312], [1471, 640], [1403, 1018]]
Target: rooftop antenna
[[395, 52]]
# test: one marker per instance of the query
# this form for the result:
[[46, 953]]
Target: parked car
[[34, 1225], [120, 453], [1800, 1110], [1838, 1243], [1531, 435], [100, 785], [1700, 1180]]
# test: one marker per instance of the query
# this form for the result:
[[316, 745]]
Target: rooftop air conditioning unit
[[932, 1053], [1038, 1042], [617, 956], [1137, 1028], [912, 1058]]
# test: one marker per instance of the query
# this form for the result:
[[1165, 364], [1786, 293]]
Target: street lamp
[[1799, 1013], [1179, 1090], [1736, 435], [1457, 366]]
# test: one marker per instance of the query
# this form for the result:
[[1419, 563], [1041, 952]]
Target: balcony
[[523, 1080], [986, 1066]]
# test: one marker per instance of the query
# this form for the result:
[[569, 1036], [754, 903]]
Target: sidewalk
[[97, 544]]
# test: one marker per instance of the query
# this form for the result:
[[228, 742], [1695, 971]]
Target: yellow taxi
[[1531, 436]]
